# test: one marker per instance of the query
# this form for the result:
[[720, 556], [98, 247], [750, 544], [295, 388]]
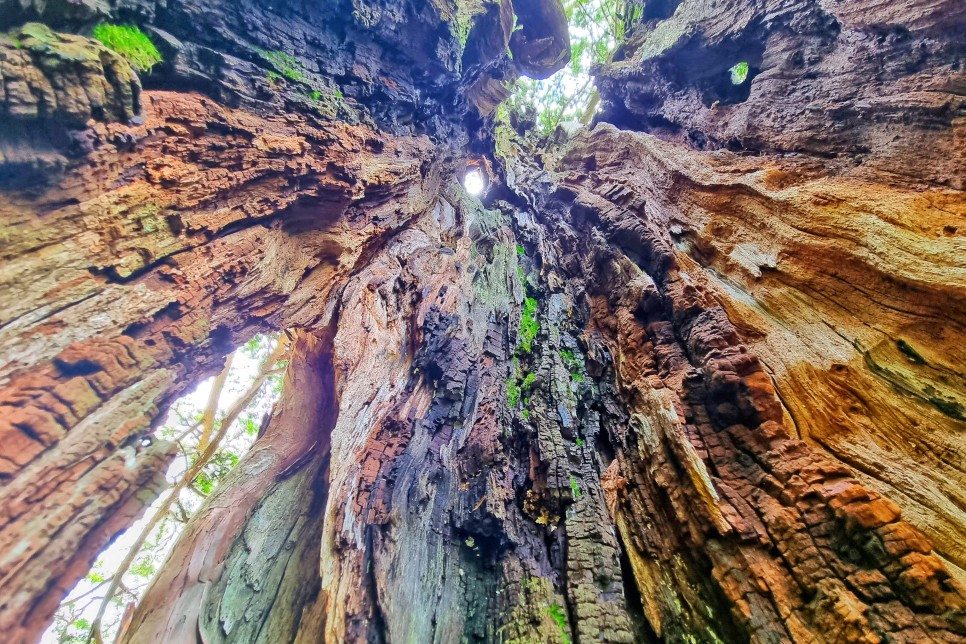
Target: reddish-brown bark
[[740, 418]]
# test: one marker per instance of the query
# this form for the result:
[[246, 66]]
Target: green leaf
[[143, 568], [559, 616], [250, 427], [739, 73], [574, 488], [529, 326]]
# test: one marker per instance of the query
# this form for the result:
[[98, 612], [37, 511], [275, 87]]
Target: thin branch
[[573, 97], [185, 480], [591, 108], [211, 409], [183, 435], [93, 590], [590, 23]]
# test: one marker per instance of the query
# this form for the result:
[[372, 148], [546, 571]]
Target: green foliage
[[516, 384], [512, 391], [574, 488], [251, 427], [143, 568], [74, 632], [559, 616], [573, 364], [528, 381], [275, 382], [597, 29], [131, 43], [216, 469], [522, 274], [256, 347], [512, 384], [503, 133], [580, 442], [739, 73], [182, 425], [284, 64], [529, 326]]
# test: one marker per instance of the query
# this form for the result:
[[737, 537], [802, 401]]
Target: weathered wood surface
[[739, 418]]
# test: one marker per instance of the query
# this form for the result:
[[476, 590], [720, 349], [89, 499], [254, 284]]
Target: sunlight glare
[[474, 182]]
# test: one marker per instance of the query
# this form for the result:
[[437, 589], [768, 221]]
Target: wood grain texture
[[694, 374]]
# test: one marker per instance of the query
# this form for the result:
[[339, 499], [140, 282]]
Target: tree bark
[[693, 374]]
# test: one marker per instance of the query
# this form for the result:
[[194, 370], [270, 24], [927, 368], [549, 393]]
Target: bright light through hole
[[474, 183]]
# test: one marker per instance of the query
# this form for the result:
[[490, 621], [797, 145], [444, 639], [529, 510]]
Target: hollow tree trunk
[[694, 377]]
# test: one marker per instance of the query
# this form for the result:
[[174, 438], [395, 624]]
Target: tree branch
[[267, 368], [211, 409]]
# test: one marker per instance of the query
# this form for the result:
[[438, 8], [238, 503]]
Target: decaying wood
[[206, 449], [692, 374]]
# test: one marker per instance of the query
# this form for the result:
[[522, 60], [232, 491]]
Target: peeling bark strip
[[656, 389]]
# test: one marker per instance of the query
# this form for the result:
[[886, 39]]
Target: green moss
[[568, 358], [512, 385], [461, 29], [515, 386], [318, 96], [461, 20], [512, 391], [286, 65], [911, 353], [529, 326], [574, 488], [580, 442], [521, 251], [559, 616], [528, 381], [131, 43], [503, 134], [573, 364], [949, 407], [739, 73], [39, 32]]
